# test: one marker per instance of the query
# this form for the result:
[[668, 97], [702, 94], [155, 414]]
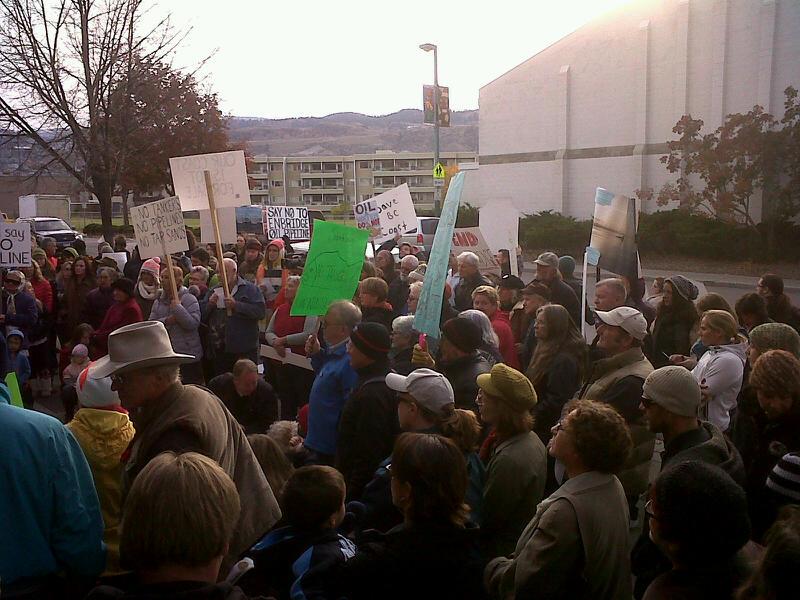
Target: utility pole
[[437, 191]]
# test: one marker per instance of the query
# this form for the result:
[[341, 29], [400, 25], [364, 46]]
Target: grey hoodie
[[721, 370]]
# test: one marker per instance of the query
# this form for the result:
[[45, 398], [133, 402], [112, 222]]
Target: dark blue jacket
[[241, 328], [287, 563], [25, 315]]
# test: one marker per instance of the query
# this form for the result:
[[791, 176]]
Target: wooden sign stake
[[215, 222]]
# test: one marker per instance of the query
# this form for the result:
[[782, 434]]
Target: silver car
[[422, 236]]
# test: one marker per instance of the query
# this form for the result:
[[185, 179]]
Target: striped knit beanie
[[784, 479]]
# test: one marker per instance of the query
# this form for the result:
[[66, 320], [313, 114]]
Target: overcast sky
[[315, 57]]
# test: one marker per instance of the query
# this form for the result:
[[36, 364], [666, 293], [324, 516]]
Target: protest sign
[[228, 179], [333, 267], [613, 244], [368, 217], [119, 257], [396, 211], [289, 357], [470, 239], [15, 245], [158, 227], [429, 309], [290, 221], [227, 226], [499, 223]]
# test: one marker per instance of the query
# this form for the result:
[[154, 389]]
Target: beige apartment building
[[328, 181]]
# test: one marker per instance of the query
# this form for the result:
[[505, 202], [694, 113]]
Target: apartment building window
[[277, 183], [348, 166], [275, 166], [365, 197], [364, 164], [296, 183], [364, 181], [294, 167]]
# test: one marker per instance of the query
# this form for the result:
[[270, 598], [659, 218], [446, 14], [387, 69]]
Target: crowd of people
[[354, 457]]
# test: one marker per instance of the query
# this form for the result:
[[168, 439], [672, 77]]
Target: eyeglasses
[[648, 510]]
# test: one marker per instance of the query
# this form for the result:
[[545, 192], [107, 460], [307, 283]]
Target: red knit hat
[[279, 243]]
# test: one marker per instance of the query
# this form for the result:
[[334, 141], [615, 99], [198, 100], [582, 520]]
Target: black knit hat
[[511, 282], [124, 285], [372, 339], [463, 334]]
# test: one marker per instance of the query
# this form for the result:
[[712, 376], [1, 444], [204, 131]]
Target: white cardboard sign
[[368, 217], [15, 245], [227, 226], [119, 257], [499, 223], [228, 179], [290, 221], [159, 228], [396, 211], [470, 239]]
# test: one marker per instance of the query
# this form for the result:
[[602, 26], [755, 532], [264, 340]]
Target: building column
[[719, 36], [562, 171], [765, 52]]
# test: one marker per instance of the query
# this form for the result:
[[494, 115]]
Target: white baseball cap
[[627, 318], [429, 388]]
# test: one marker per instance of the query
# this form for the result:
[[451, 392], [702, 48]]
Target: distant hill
[[353, 133]]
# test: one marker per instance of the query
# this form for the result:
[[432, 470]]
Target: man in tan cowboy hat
[[170, 416]]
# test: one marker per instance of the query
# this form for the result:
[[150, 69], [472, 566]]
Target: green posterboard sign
[[13, 387], [332, 268]]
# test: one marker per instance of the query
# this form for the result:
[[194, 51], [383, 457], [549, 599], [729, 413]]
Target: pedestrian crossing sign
[[438, 171]]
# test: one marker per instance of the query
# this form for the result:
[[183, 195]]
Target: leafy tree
[[720, 173], [174, 117], [68, 70]]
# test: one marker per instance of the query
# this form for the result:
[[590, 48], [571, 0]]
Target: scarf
[[147, 292]]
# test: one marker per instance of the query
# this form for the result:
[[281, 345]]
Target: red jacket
[[502, 328], [44, 293], [118, 315]]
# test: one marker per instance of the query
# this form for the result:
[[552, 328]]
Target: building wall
[[596, 108]]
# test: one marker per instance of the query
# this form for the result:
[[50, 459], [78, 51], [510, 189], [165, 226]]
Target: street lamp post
[[437, 193]]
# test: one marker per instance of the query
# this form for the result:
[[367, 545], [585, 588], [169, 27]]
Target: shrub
[[550, 230], [96, 229]]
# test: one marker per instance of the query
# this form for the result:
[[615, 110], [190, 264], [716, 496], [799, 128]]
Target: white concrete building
[[596, 108]]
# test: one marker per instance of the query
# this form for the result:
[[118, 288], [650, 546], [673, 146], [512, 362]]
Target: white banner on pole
[[227, 226], [290, 221], [228, 177], [15, 245], [470, 239], [499, 222], [159, 228], [396, 210]]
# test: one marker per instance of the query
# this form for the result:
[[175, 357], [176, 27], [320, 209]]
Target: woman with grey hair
[[286, 333], [490, 346], [404, 336]]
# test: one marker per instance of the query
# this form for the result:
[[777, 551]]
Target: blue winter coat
[[334, 379], [49, 513], [241, 328], [25, 315], [184, 333]]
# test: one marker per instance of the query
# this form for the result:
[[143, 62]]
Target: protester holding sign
[[269, 273], [233, 321], [181, 317]]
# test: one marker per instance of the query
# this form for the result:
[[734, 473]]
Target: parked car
[[53, 227], [422, 236]]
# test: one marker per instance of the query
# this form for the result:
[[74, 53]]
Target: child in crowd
[[79, 360], [81, 335], [19, 363], [103, 430], [289, 559]]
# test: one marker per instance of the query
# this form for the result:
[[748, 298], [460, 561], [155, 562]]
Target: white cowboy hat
[[137, 346]]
